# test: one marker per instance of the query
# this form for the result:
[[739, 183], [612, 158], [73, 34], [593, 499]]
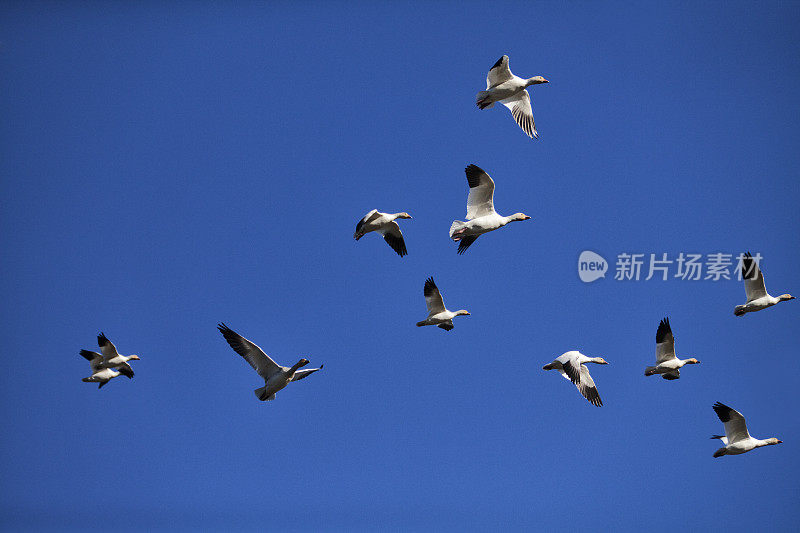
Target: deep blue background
[[167, 167]]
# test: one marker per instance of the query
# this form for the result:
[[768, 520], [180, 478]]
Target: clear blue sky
[[167, 167]]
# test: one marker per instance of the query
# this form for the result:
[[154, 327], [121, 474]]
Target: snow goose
[[275, 376], [667, 364], [98, 359], [112, 358], [383, 223], [737, 439], [571, 366], [438, 315], [100, 374], [481, 216], [757, 296], [504, 87]]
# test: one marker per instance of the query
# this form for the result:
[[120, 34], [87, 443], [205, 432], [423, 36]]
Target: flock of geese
[[481, 218]]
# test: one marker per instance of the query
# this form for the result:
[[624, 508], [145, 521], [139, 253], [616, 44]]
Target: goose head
[[462, 312], [784, 297], [772, 440], [301, 362], [692, 361], [519, 216], [134, 357], [600, 361], [403, 215], [535, 81]]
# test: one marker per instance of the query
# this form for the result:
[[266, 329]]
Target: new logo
[[591, 266]]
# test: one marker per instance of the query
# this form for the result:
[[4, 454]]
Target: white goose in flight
[[275, 376], [438, 315], [504, 87], [667, 364], [97, 359], [757, 296], [571, 366], [112, 358], [481, 216], [99, 374], [383, 223], [737, 439]]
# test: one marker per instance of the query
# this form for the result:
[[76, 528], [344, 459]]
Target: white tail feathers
[[455, 226]]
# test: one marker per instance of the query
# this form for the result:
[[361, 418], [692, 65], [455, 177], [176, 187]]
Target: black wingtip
[[430, 286], [749, 267], [102, 340], [229, 335], [663, 329], [499, 62], [723, 411], [396, 244], [593, 396], [465, 243], [474, 173]]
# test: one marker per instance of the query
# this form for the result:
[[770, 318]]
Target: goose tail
[[483, 100], [455, 226]]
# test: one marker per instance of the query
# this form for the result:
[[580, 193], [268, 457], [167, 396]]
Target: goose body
[[504, 87], [383, 223], [757, 296], [438, 315], [737, 439], [100, 374], [667, 363], [275, 376], [572, 366], [481, 216]]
